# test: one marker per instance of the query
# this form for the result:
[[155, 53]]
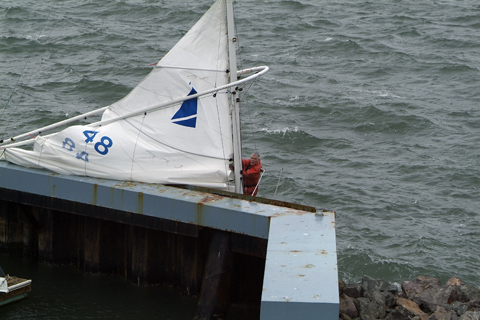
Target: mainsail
[[189, 142]]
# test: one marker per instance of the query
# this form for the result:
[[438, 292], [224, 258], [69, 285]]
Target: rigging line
[[135, 146], [258, 183], [25, 66], [38, 58], [237, 44], [278, 183], [250, 117]]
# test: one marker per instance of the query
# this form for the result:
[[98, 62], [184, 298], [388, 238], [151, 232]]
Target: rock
[[441, 313], [347, 306], [431, 281], [454, 282], [470, 291], [343, 316], [375, 297], [470, 315], [401, 294], [431, 297], [389, 298], [399, 313], [458, 295], [414, 287], [473, 305], [370, 284], [412, 307], [369, 310], [353, 290], [423, 298], [459, 307]]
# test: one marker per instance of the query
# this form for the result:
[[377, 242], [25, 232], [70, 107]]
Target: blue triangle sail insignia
[[187, 114]]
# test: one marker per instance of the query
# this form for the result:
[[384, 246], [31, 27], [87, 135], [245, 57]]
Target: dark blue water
[[371, 109], [64, 292]]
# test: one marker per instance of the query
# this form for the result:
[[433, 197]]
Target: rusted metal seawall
[[211, 245]]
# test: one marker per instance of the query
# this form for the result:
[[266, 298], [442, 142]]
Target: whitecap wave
[[383, 94], [283, 131]]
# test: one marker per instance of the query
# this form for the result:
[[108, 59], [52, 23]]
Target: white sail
[[186, 143]]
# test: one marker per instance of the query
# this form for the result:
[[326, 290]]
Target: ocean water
[[370, 109]]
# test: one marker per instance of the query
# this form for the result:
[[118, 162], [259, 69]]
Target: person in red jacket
[[251, 173]]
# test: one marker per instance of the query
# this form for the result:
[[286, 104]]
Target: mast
[[235, 103]]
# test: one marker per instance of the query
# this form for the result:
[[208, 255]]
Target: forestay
[[185, 143], [3, 282]]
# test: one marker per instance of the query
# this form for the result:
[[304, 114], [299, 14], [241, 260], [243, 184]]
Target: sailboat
[[180, 125]]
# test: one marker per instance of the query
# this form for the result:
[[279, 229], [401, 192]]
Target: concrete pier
[[275, 258]]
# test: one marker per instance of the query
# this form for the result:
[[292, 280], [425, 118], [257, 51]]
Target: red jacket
[[251, 174]]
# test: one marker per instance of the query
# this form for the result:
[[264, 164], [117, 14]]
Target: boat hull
[[17, 289]]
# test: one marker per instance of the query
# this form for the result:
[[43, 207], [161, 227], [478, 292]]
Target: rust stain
[[295, 251], [297, 212], [309, 266], [289, 213], [301, 275], [95, 191], [277, 214], [127, 184], [140, 202], [210, 199], [187, 193], [205, 200]]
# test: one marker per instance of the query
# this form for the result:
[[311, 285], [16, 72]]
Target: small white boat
[[13, 288]]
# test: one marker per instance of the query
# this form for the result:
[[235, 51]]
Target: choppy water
[[371, 108]]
